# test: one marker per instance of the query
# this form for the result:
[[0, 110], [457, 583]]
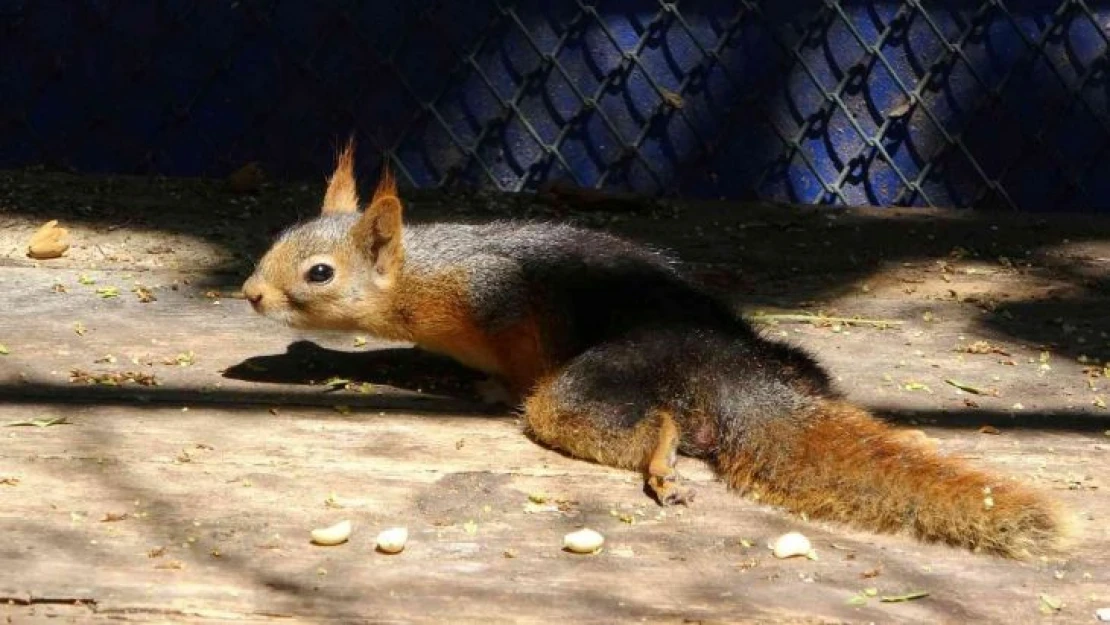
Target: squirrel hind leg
[[610, 433], [661, 476]]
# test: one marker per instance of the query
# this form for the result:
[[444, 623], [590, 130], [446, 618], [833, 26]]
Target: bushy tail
[[839, 463]]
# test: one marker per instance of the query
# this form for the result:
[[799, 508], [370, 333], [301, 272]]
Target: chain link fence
[[982, 103]]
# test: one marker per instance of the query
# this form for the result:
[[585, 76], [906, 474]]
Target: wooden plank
[[250, 486], [199, 464]]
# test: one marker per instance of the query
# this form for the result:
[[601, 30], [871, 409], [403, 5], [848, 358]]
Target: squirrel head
[[338, 270]]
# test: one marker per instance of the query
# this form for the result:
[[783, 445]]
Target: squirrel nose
[[253, 292]]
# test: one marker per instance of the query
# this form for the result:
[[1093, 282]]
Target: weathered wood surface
[[224, 466], [202, 469]]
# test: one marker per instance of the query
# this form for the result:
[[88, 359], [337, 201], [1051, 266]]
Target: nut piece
[[48, 242], [393, 540], [1103, 614], [791, 545], [584, 540], [334, 535]]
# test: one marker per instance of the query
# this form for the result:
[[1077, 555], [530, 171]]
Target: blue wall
[[914, 102]]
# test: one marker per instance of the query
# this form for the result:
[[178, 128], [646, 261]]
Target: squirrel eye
[[320, 273]]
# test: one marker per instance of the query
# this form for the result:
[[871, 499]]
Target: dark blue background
[[914, 102]]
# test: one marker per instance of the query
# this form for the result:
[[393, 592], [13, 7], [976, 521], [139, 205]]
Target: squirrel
[[620, 359]]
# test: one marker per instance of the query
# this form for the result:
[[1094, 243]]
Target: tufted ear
[[378, 231], [342, 193], [387, 184]]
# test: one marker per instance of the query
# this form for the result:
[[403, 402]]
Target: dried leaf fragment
[[869, 573], [674, 100], [901, 110], [910, 596], [49, 241], [964, 387], [40, 423], [144, 294], [1050, 604], [113, 378], [623, 517], [184, 359], [983, 347]]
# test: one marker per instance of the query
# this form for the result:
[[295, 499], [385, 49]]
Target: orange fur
[[437, 317], [830, 460], [342, 193], [662, 478], [550, 421], [846, 466], [520, 354], [839, 464], [380, 227], [650, 446], [661, 462], [387, 185]]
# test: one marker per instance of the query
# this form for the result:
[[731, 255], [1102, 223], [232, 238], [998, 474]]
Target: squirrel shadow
[[407, 369]]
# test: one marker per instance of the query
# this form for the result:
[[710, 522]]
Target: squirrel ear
[[378, 231], [387, 184], [342, 193]]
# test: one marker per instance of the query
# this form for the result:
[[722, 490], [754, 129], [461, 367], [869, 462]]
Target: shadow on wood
[[305, 362]]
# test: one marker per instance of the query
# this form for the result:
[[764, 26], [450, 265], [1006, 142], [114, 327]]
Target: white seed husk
[[584, 540], [790, 545], [393, 540], [334, 535]]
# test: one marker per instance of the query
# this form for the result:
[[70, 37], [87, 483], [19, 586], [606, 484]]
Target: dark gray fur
[[638, 335], [591, 285]]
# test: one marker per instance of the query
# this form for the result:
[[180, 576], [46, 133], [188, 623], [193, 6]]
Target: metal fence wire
[[982, 103]]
